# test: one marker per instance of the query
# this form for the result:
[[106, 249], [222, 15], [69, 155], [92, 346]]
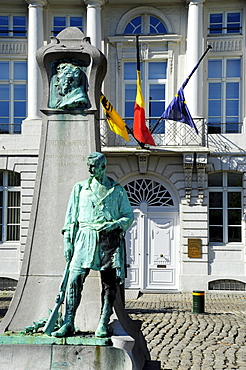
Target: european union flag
[[178, 110]]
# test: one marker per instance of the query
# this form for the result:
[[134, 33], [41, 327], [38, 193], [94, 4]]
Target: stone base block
[[57, 357]]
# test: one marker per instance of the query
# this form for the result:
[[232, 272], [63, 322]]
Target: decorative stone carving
[[188, 178], [16, 48], [188, 163], [143, 163], [170, 59], [226, 45], [201, 162], [144, 51], [119, 47]]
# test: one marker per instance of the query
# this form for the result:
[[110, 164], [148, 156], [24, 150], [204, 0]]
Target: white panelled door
[[151, 241], [161, 257]]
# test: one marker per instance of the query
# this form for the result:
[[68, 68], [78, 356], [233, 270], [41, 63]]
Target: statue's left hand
[[108, 226]]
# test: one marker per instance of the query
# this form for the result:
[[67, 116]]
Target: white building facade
[[189, 191]]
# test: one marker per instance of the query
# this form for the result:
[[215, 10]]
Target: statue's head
[[69, 77], [96, 163]]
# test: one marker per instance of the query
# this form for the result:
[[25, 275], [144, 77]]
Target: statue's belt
[[97, 228]]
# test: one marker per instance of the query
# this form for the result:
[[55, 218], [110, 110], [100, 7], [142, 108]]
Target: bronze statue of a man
[[97, 216]]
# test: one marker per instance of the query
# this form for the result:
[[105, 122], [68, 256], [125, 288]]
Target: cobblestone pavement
[[182, 340]]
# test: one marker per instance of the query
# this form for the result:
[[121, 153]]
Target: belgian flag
[[140, 130]]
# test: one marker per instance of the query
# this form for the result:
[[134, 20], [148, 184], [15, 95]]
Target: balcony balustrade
[[166, 133]]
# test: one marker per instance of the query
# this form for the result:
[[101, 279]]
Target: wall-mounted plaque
[[194, 248]]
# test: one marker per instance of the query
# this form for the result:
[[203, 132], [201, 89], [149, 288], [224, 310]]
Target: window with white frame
[[224, 100], [154, 79], [145, 24], [61, 22], [225, 23], [9, 206], [13, 91], [225, 207], [13, 25], [153, 74]]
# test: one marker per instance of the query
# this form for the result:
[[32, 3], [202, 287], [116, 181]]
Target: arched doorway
[[152, 241]]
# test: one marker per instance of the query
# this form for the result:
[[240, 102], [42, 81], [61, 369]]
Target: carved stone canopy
[[71, 47]]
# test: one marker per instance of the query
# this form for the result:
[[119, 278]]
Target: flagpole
[[139, 142], [138, 54], [187, 80], [157, 123], [195, 68]]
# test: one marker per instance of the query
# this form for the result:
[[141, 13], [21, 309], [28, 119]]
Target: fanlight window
[[145, 24], [149, 191]]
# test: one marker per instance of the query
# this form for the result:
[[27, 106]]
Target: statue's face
[[96, 167], [68, 77]]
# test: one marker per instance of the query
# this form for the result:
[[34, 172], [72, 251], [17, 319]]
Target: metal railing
[[10, 128], [13, 33], [167, 133], [216, 29]]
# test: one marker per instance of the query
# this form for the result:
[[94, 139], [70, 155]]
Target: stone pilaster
[[35, 41], [94, 24]]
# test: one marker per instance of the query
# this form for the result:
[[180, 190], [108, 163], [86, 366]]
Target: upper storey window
[[224, 95], [145, 24], [224, 23], [59, 23], [154, 79], [13, 88], [13, 26]]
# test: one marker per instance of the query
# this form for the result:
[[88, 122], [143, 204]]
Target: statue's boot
[[102, 328], [66, 330], [73, 298], [108, 297]]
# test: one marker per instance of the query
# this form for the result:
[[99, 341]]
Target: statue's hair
[[96, 156], [62, 66]]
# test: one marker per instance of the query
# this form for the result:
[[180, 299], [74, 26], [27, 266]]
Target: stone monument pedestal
[[54, 357]]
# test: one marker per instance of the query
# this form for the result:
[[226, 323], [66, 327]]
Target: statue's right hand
[[68, 256], [68, 250]]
